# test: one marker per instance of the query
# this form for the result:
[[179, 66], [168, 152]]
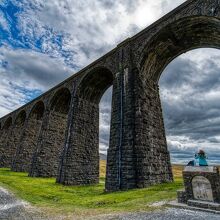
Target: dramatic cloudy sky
[[44, 42]]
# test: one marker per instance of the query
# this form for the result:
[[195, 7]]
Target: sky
[[44, 42]]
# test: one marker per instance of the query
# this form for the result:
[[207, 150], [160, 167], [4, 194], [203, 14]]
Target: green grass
[[84, 200]]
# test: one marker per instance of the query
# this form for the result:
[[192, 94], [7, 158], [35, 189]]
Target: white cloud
[[89, 28], [3, 22]]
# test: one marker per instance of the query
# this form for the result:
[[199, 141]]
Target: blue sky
[[44, 42]]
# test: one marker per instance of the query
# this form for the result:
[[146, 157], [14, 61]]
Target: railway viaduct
[[57, 134]]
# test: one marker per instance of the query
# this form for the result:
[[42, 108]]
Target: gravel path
[[167, 214], [14, 209]]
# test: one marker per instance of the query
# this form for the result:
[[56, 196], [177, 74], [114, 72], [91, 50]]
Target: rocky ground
[[14, 209]]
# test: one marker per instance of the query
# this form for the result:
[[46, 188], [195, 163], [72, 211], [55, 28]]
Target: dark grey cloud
[[190, 94], [35, 67]]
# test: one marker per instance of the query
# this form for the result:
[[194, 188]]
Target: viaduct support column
[[5, 145], [11, 140], [121, 160], [28, 143], [2, 146], [46, 157], [152, 157], [121, 173], [138, 156], [80, 162]]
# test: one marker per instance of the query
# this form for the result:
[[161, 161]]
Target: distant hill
[[103, 156]]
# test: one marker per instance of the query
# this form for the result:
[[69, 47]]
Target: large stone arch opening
[[171, 41], [80, 163], [5, 134], [189, 88], [52, 136], [28, 140]]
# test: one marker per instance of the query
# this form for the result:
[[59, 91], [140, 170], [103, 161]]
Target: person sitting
[[201, 157]]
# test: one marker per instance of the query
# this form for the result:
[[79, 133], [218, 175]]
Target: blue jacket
[[202, 160]]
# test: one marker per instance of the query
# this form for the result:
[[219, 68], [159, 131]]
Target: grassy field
[[86, 200]]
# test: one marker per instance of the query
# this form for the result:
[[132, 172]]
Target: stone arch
[[60, 101], [52, 136], [37, 111], [94, 84], [80, 162], [20, 119], [28, 140], [176, 38]]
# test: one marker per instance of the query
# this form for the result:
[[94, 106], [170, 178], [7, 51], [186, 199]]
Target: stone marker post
[[202, 187]]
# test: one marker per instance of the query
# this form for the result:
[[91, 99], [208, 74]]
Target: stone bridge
[[57, 134]]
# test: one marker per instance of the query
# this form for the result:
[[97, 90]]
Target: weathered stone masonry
[[137, 154], [4, 151], [29, 137], [47, 156], [17, 131]]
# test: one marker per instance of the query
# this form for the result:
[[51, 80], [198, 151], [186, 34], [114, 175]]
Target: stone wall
[[213, 177], [202, 187]]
